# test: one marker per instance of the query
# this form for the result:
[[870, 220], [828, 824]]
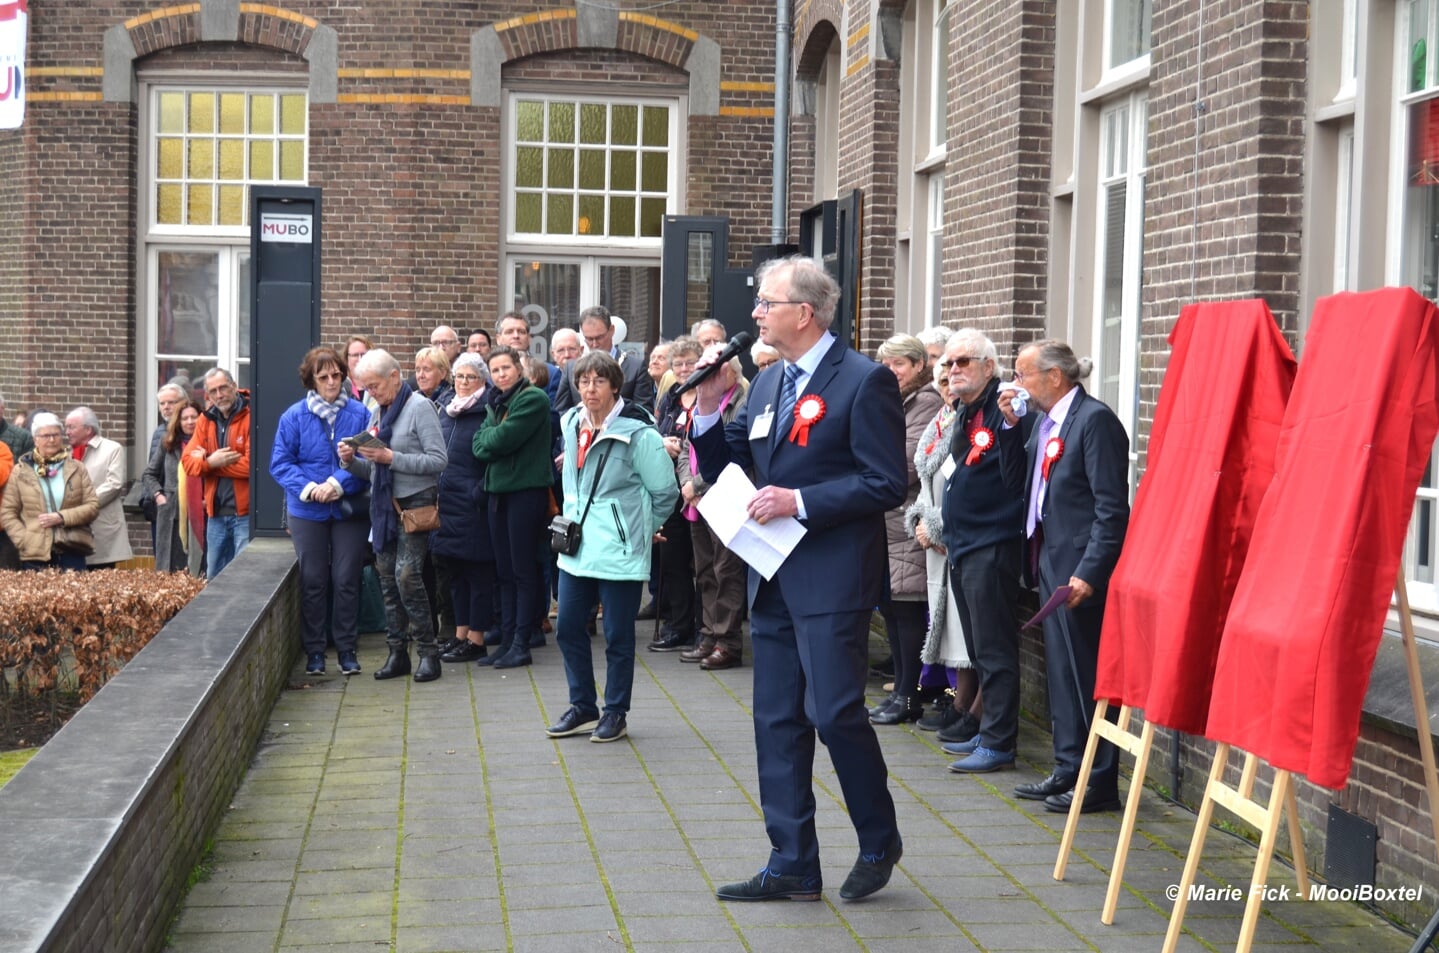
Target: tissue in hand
[[1020, 400]]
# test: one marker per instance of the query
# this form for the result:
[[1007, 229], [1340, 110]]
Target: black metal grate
[[1349, 849]]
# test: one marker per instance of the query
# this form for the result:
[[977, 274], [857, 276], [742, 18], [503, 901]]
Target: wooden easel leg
[[1196, 850], [1296, 843], [1126, 827], [1081, 784], [1421, 707], [1279, 797]]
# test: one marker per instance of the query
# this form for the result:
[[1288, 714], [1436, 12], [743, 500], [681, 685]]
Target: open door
[[696, 281], [833, 232]]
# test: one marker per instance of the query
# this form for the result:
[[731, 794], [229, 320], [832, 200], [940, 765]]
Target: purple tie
[[1036, 482]]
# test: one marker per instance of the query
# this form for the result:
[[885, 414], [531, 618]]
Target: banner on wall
[[13, 17]]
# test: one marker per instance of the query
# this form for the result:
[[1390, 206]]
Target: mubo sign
[[286, 227]]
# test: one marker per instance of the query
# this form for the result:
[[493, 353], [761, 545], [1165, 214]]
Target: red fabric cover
[[1211, 457], [1309, 610]]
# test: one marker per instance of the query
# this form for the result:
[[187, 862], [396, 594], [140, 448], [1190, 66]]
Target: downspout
[[779, 229]]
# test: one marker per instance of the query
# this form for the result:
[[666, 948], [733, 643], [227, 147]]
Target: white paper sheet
[[765, 547]]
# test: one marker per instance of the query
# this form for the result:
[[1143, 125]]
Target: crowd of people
[[486, 486]]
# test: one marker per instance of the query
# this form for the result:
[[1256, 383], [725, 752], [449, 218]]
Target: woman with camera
[[619, 488]]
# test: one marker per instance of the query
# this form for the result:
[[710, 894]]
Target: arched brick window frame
[[219, 21]]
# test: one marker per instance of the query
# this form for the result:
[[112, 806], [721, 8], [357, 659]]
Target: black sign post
[[285, 323]]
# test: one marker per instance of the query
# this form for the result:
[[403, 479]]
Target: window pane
[[188, 304], [529, 167], [292, 161], [232, 205], [657, 126], [633, 291], [232, 114], [172, 112], [560, 215], [202, 112], [562, 122], [592, 169], [1420, 249], [527, 212], [622, 216], [1418, 46], [530, 121], [242, 304], [622, 171], [546, 291], [1128, 30], [200, 205], [625, 122], [200, 162], [262, 114], [652, 217], [262, 161], [192, 370], [292, 114], [232, 159], [592, 124], [562, 169], [656, 174], [1112, 300], [169, 159], [592, 215], [167, 205]]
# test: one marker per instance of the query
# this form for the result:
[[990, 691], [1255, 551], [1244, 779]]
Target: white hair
[[45, 419], [378, 362]]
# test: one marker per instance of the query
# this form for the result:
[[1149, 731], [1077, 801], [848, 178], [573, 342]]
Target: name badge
[[760, 428], [947, 469]]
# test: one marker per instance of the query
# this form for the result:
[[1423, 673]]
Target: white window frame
[[937, 92], [1112, 68], [1129, 170], [1343, 205], [544, 245]]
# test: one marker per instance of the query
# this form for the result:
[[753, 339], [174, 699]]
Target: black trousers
[[517, 530], [332, 556], [677, 568], [985, 583]]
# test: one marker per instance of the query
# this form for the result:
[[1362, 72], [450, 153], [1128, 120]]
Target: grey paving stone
[[230, 919], [477, 938], [361, 929], [457, 912], [222, 942], [374, 905], [221, 893]]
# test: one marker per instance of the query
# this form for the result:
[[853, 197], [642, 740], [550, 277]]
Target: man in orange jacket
[[219, 454]]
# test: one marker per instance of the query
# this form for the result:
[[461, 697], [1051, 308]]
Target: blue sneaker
[[962, 747], [315, 663], [983, 761]]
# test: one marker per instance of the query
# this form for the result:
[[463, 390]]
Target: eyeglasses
[[467, 377], [762, 305], [49, 436], [332, 376], [584, 383], [960, 362], [450, 343], [220, 389]]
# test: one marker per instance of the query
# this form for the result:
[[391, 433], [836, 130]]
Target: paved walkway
[[438, 817]]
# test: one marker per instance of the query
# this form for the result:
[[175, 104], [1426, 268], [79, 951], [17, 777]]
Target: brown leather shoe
[[700, 652], [720, 658]]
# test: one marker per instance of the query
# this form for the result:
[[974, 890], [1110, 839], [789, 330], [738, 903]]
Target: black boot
[[905, 708], [429, 668], [397, 664], [885, 704], [517, 656]]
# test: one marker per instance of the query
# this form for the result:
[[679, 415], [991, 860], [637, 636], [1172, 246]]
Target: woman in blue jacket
[[461, 547], [620, 486], [327, 510]]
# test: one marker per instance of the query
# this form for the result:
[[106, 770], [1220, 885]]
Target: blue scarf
[[384, 523]]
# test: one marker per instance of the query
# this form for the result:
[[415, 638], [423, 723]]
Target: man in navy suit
[[824, 435], [598, 329], [1077, 496]]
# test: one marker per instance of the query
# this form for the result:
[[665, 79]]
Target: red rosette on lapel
[[808, 412], [1053, 450], [979, 444]]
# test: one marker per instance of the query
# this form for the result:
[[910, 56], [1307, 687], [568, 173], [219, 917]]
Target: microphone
[[737, 345]]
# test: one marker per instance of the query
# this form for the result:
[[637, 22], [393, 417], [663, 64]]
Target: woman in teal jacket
[[619, 485]]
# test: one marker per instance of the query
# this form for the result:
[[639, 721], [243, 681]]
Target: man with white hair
[[447, 339], [104, 461], [169, 398]]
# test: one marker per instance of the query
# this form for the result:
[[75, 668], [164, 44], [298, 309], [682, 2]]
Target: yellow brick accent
[[857, 65], [658, 24], [404, 74], [857, 35], [180, 10], [265, 9], [747, 111], [737, 87], [64, 97], [405, 98], [529, 19], [65, 71]]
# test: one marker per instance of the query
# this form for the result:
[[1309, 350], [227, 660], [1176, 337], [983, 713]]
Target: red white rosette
[[1053, 450], [808, 412], [980, 443]]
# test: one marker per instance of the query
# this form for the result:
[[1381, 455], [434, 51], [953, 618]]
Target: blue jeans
[[578, 597], [225, 536], [401, 567]]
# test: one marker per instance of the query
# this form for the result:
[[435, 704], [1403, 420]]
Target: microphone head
[[742, 341]]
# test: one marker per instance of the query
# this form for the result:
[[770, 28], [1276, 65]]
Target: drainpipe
[[779, 229]]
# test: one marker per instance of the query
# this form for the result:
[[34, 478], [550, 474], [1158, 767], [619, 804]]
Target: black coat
[[464, 531]]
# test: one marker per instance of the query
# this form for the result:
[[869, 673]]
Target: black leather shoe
[[648, 612], [905, 708], [611, 728], [871, 872], [573, 722], [942, 717], [396, 665], [517, 656], [429, 668], [449, 645], [465, 651], [1058, 782], [1095, 802], [767, 886], [672, 640], [885, 704], [962, 730]]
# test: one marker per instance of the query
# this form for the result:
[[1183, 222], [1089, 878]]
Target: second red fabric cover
[[1309, 609], [1211, 457]]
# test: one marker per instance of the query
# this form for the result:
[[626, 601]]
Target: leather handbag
[[424, 518]]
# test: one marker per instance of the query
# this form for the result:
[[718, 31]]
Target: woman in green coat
[[619, 485]]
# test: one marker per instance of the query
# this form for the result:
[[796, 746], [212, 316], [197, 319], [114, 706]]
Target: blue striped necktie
[[788, 394]]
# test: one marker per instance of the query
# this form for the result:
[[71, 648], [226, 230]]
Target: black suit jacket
[[638, 387], [1086, 505]]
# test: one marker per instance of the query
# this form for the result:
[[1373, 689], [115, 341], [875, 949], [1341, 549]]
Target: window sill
[[1387, 703], [1116, 82]]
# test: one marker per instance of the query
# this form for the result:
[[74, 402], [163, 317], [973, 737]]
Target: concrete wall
[[104, 825]]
